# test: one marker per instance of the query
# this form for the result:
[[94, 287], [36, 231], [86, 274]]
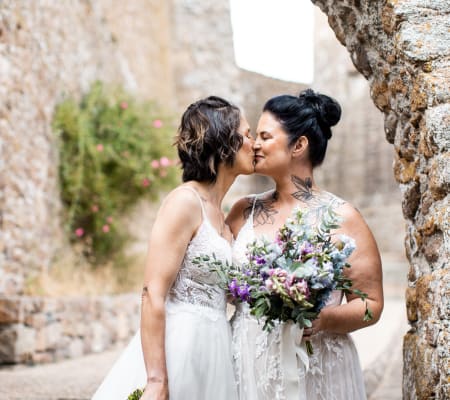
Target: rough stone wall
[[403, 48], [358, 165], [50, 49], [202, 48], [40, 330]]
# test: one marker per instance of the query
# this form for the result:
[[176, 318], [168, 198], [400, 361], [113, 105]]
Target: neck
[[298, 184], [216, 191]]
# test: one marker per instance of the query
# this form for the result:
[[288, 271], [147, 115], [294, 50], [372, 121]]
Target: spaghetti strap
[[198, 197], [255, 197], [253, 207]]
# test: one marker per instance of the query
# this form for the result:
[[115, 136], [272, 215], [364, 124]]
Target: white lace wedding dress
[[198, 337], [264, 361]]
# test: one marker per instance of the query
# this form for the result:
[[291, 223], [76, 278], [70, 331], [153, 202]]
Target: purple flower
[[260, 260], [306, 248], [233, 287], [244, 292]]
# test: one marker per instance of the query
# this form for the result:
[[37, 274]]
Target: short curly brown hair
[[208, 135]]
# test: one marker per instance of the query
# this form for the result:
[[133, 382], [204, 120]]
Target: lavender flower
[[243, 291]]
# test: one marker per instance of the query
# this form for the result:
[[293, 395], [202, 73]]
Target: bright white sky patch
[[274, 38]]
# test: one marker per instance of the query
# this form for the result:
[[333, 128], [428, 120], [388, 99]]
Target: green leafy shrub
[[113, 151]]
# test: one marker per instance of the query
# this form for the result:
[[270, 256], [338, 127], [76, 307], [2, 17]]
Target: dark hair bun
[[327, 110], [330, 110]]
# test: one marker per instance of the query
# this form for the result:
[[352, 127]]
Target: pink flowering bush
[[112, 153]]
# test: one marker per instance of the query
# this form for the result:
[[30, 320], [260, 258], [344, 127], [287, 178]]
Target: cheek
[[248, 146]]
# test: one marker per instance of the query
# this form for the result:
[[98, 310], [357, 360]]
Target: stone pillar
[[402, 47]]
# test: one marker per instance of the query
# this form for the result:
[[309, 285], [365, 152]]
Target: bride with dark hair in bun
[[292, 138]]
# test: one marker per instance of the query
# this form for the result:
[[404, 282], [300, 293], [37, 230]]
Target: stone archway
[[402, 47]]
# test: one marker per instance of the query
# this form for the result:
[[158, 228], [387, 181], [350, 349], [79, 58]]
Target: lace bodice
[[195, 283], [247, 235], [258, 355]]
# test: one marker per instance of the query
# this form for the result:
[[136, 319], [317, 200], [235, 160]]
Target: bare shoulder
[[353, 223], [181, 206], [349, 212]]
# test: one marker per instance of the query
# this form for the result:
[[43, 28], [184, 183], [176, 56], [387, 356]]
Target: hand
[[315, 328], [156, 391]]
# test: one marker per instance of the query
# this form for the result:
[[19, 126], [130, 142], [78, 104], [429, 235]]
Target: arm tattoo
[[263, 210], [144, 291], [304, 192]]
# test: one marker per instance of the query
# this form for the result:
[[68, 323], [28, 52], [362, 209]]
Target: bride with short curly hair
[[183, 349]]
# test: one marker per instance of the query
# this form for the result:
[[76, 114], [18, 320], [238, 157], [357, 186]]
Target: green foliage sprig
[[136, 395], [114, 150]]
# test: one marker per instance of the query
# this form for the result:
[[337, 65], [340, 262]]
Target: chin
[[259, 169]]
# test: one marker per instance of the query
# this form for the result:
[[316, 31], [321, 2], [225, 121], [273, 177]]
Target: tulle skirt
[[198, 357], [333, 371]]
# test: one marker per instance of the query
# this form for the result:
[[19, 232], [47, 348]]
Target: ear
[[300, 147]]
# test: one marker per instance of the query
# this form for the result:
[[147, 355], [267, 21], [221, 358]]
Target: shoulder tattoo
[[264, 209]]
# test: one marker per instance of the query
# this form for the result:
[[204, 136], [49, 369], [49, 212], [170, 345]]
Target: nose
[[256, 144]]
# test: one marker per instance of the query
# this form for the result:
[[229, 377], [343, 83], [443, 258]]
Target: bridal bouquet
[[291, 278]]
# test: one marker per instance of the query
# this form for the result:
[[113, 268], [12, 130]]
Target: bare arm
[[174, 227], [366, 275]]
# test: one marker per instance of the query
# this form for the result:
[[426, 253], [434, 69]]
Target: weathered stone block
[[411, 199], [426, 144], [49, 337], [8, 338], [435, 84], [432, 329], [428, 226], [442, 215], [432, 246], [36, 321], [404, 170], [390, 126], [24, 346], [425, 380], [443, 293], [419, 96], [425, 38], [411, 304], [424, 296], [11, 310], [389, 19], [407, 8], [440, 175], [43, 358], [379, 91], [438, 126]]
